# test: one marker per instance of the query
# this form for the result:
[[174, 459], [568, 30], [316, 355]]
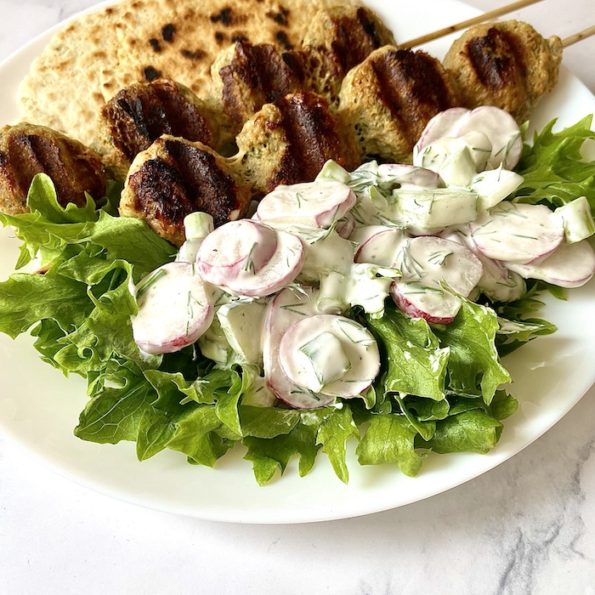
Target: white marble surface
[[526, 527]]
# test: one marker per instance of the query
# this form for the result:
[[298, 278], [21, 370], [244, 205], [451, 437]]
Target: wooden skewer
[[486, 16], [578, 36]]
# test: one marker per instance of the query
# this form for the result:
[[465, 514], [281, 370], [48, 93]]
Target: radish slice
[[233, 248], [417, 301], [456, 159], [330, 355], [174, 309], [439, 126], [500, 128], [497, 282], [291, 305], [571, 265], [517, 232], [497, 125], [345, 226], [381, 248], [313, 204], [428, 263], [284, 266], [401, 173]]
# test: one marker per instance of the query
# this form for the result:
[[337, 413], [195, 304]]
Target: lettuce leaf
[[390, 439], [271, 456], [473, 364], [554, 169], [470, 431], [333, 434], [416, 362]]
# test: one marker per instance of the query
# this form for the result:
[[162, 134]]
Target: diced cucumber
[[198, 225], [577, 219], [214, 344], [494, 186], [438, 208], [242, 323]]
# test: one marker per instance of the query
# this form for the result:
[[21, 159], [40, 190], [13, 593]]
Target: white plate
[[39, 408]]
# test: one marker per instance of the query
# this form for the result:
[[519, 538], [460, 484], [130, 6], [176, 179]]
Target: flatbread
[[89, 61]]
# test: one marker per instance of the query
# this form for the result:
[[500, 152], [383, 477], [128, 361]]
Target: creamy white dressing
[[280, 282], [330, 355]]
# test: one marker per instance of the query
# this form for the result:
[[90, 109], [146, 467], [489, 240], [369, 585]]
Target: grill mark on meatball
[[369, 27], [497, 58], [412, 86], [312, 139], [139, 115], [22, 163], [187, 180], [355, 39], [72, 174], [263, 70], [159, 192]]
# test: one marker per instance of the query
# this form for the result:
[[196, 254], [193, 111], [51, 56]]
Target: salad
[[372, 305]]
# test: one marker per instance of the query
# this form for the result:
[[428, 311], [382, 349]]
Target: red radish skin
[[413, 311], [519, 233], [286, 308], [174, 311], [281, 270], [345, 226], [313, 204], [361, 350], [232, 247], [439, 126], [572, 265], [409, 174], [380, 248]]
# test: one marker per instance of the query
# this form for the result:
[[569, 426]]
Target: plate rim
[[63, 469]]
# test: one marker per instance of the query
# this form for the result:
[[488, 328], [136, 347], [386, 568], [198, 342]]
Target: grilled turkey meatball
[[27, 150], [175, 177], [338, 39], [141, 113], [350, 33], [289, 141], [245, 77], [390, 97], [506, 64]]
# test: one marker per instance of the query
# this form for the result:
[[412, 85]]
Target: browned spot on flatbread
[[193, 54], [283, 40], [225, 16], [151, 73], [280, 16], [239, 36], [155, 45], [220, 37], [168, 32]]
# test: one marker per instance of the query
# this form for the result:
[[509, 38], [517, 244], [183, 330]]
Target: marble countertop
[[526, 527]]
